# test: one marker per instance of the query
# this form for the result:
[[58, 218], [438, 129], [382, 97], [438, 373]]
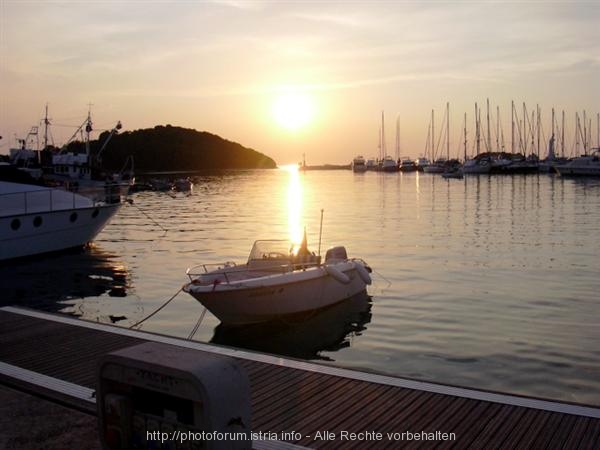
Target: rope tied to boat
[[157, 310]]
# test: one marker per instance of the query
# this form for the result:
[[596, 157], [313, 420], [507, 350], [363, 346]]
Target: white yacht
[[37, 219], [359, 164], [587, 165]]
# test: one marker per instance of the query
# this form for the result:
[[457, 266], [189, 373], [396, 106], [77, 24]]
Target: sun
[[293, 111]]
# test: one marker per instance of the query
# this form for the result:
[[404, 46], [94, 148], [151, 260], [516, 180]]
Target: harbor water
[[491, 282]]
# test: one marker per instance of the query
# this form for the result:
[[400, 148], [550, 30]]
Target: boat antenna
[[320, 232]]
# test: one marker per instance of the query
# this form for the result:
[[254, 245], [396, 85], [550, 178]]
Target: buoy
[[363, 273], [337, 274]]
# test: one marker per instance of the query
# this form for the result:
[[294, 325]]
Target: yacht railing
[[207, 273], [41, 200]]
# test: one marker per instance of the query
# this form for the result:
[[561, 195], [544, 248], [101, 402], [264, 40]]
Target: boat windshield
[[275, 249]]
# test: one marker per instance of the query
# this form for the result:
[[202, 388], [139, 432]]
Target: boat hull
[[55, 230], [279, 296]]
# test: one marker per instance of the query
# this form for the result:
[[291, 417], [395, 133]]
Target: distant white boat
[[36, 219], [587, 165], [438, 166], [359, 164], [388, 164], [407, 165], [421, 163], [276, 283], [477, 166], [371, 164]]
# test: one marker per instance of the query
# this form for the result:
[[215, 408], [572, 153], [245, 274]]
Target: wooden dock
[[56, 357]]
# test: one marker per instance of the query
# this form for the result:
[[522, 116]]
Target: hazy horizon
[[227, 67]]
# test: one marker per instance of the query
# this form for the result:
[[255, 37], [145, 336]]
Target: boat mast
[[447, 131], [433, 149], [524, 138], [531, 131], [46, 123], [489, 135], [383, 149], [584, 133], [577, 132], [398, 138], [538, 129], [552, 140], [562, 136], [598, 130], [497, 127], [465, 132], [88, 130], [477, 131], [512, 127]]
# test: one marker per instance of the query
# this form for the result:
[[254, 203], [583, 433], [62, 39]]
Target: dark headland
[[170, 148]]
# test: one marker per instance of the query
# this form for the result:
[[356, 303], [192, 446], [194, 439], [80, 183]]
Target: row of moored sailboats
[[487, 161]]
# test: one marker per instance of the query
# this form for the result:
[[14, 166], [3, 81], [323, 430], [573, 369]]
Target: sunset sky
[[288, 78]]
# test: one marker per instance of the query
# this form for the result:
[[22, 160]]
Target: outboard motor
[[335, 254]]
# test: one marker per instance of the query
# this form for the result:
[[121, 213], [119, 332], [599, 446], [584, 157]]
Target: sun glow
[[293, 111]]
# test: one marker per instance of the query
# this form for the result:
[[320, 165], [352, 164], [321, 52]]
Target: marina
[[210, 239], [489, 284]]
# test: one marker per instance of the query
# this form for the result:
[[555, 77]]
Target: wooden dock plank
[[578, 434], [544, 438], [591, 437], [288, 397]]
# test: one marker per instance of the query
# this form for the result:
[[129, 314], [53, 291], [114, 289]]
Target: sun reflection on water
[[294, 205]]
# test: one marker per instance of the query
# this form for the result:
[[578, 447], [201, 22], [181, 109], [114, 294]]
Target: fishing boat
[[37, 219], [77, 171], [277, 281]]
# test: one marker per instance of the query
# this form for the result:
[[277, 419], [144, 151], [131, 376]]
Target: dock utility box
[[159, 396]]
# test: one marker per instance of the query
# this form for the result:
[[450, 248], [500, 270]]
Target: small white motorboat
[[277, 281]]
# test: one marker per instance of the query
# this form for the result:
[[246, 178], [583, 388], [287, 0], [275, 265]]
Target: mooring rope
[[195, 329], [161, 307], [147, 215]]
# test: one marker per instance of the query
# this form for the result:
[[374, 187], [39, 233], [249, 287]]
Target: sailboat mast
[[383, 149], [584, 133], [465, 132], [489, 135], [598, 130], [562, 136], [531, 124], [497, 127], [448, 131], [512, 127], [577, 131], [538, 129], [524, 137], [433, 149], [477, 131], [398, 138]]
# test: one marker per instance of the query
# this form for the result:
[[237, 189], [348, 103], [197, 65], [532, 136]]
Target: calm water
[[487, 282]]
